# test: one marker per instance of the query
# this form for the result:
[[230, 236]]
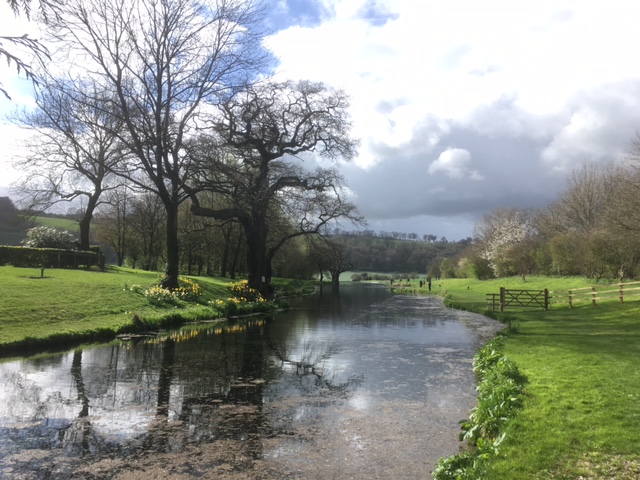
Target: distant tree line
[[414, 237], [372, 252], [129, 227]]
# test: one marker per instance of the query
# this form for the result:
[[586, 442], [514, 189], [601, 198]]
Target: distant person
[[429, 283]]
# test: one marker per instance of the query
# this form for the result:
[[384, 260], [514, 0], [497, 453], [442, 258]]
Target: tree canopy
[[251, 155], [166, 62]]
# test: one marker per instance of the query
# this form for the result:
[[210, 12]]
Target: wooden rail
[[604, 292]]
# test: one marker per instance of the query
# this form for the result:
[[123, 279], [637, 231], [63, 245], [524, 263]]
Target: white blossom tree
[[505, 236]]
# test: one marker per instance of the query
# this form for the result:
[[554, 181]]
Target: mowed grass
[[67, 301], [59, 223], [581, 418]]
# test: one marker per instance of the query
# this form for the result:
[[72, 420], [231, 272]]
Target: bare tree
[[146, 221], [112, 222], [587, 229], [73, 151], [624, 203], [265, 129], [165, 61], [339, 260], [582, 205]]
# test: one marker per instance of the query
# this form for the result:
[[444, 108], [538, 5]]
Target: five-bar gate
[[518, 298]]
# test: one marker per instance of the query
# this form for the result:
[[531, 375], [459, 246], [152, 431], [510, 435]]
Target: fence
[[603, 292], [541, 298], [518, 298]]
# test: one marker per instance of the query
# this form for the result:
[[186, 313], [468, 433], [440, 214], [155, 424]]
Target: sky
[[461, 106]]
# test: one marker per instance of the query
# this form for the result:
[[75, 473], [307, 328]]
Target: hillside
[[13, 227]]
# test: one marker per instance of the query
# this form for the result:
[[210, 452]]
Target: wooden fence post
[[621, 294], [570, 299], [502, 299], [593, 296], [546, 299]]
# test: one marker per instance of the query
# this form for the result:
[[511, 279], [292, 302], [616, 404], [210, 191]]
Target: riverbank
[[580, 417], [380, 380], [57, 308]]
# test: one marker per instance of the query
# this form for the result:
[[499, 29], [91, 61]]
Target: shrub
[[49, 237]]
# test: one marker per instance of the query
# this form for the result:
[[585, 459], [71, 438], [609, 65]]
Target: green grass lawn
[[73, 302], [581, 416], [59, 223]]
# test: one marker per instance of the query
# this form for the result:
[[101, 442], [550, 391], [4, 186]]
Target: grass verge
[[580, 415], [72, 306]]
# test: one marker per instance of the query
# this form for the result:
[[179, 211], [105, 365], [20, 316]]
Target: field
[[581, 414], [14, 234], [59, 223]]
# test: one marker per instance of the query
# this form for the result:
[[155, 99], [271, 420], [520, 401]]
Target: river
[[363, 384]]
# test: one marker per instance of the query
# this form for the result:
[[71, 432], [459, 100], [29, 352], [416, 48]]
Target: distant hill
[[13, 228]]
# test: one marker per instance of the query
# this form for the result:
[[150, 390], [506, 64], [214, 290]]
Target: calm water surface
[[360, 385]]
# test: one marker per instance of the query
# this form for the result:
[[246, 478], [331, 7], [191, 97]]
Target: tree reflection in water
[[256, 399]]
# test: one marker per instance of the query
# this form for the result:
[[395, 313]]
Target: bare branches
[[249, 157], [167, 62], [48, 9], [287, 118], [34, 46]]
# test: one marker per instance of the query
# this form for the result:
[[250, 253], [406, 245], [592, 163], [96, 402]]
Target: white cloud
[[525, 91], [454, 163], [13, 138], [484, 72]]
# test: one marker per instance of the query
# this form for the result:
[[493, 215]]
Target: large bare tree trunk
[[256, 259], [172, 271]]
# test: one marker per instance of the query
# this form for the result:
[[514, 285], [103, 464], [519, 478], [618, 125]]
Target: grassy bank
[[580, 417], [74, 305], [580, 413]]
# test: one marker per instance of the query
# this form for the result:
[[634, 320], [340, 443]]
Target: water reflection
[[360, 376]]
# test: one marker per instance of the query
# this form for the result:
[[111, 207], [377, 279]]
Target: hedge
[[50, 257]]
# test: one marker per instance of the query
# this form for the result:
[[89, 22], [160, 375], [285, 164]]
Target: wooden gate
[[520, 298]]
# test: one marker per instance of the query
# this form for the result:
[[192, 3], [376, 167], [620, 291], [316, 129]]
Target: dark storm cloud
[[401, 186], [501, 155]]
